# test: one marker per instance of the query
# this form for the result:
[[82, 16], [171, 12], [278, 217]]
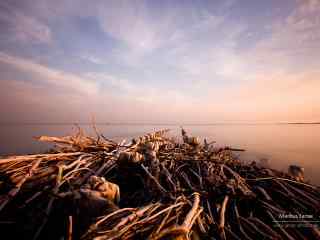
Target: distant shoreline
[[156, 124]]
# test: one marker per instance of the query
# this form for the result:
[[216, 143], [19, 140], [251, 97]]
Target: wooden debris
[[169, 190]]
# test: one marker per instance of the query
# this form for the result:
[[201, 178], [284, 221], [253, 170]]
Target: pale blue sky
[[160, 61]]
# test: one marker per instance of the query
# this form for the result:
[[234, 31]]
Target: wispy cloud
[[53, 96], [93, 59], [294, 43], [49, 77], [185, 60], [21, 27]]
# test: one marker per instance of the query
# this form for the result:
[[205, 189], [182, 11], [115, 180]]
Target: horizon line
[[164, 124]]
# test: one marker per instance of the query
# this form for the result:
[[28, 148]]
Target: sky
[[183, 61]]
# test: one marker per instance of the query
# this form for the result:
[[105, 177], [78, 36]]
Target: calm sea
[[282, 145]]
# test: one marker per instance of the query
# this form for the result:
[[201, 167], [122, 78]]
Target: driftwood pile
[[153, 187]]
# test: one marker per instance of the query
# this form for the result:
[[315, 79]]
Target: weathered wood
[[169, 190]]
